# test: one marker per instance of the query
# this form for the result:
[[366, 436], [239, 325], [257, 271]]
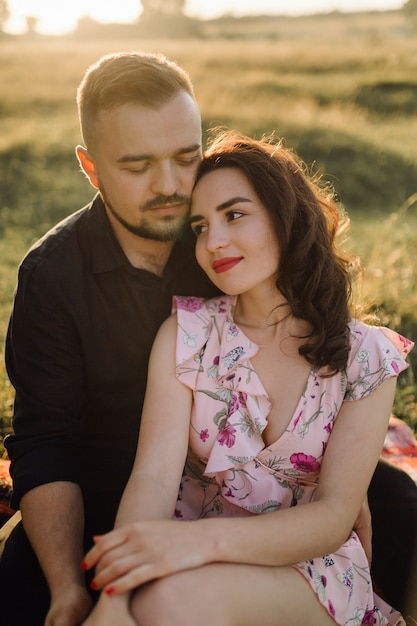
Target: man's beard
[[167, 228]]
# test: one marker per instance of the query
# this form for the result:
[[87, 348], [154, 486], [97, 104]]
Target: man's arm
[[45, 366], [53, 518]]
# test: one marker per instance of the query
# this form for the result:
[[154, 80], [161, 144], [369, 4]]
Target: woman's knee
[[160, 603], [177, 600]]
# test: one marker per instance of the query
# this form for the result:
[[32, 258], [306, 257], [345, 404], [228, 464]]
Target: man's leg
[[24, 594], [393, 502]]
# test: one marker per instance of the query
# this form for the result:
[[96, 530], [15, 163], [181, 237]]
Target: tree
[[410, 8], [166, 18], [31, 23], [4, 13], [163, 8]]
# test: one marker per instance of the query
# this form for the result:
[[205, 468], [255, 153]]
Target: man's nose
[[165, 181]]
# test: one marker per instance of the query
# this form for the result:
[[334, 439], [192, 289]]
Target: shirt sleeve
[[44, 365], [377, 353]]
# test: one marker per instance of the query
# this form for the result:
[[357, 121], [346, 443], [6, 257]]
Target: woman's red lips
[[222, 265]]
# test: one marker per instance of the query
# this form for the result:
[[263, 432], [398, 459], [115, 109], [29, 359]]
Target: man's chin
[[160, 232]]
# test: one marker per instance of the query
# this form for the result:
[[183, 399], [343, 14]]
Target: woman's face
[[236, 243]]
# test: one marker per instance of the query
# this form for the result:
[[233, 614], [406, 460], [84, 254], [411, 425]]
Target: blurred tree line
[[177, 7], [410, 7], [162, 17], [156, 8], [4, 13]]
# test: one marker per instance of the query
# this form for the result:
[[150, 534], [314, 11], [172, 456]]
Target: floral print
[[227, 436], [229, 470], [305, 462]]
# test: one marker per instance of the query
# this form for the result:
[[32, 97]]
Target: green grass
[[341, 90], [12, 246]]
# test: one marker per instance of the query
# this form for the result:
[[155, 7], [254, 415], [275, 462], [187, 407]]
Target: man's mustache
[[162, 201]]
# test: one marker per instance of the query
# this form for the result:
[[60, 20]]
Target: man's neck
[[145, 254]]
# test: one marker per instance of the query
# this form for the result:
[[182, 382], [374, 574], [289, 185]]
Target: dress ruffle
[[238, 385], [376, 354]]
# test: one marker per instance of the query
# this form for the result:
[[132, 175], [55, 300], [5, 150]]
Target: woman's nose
[[216, 238]]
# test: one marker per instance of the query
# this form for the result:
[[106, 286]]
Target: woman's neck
[[263, 310], [267, 317]]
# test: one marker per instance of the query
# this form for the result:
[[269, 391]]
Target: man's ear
[[87, 165]]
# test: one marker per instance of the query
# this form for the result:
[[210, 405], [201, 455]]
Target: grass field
[[341, 90]]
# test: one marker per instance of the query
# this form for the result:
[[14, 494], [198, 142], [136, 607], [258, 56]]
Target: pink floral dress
[[230, 471]]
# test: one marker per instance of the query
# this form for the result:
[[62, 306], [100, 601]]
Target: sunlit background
[[61, 17], [339, 87]]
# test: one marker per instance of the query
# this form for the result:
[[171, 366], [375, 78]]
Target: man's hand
[[70, 607], [53, 518], [363, 528]]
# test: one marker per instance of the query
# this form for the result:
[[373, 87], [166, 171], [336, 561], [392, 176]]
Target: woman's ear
[[87, 165]]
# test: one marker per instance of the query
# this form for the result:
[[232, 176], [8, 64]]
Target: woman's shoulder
[[196, 317], [376, 353], [368, 337]]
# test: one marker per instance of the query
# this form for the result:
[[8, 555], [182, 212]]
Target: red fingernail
[[93, 585], [84, 565], [110, 590]]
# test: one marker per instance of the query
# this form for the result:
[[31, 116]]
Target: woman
[[289, 402]]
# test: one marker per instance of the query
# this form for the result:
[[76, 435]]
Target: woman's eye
[[199, 228], [234, 215]]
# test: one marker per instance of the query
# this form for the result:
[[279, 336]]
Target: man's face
[[145, 161]]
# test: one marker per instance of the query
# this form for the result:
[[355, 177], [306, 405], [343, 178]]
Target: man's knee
[[393, 503]]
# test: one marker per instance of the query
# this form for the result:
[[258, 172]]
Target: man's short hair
[[147, 79]]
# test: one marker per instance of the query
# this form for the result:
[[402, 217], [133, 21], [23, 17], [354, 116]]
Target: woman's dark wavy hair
[[313, 276]]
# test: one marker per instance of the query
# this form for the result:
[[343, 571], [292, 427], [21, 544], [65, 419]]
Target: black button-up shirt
[[77, 351]]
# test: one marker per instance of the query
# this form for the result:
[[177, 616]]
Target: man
[[91, 296]]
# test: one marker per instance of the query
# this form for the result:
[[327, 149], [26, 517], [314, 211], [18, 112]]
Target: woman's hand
[[139, 552]]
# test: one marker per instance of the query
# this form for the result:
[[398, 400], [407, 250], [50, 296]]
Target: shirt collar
[[106, 253]]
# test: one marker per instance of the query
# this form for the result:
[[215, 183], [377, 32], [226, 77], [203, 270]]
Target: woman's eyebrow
[[222, 207], [231, 202]]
